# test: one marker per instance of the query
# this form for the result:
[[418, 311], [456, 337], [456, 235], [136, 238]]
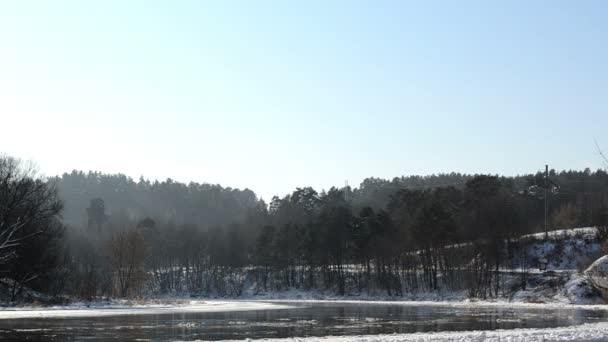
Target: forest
[[94, 235]]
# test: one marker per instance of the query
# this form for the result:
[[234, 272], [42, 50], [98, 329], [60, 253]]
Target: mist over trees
[[90, 234], [193, 203]]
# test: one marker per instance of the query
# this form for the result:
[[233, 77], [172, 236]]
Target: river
[[300, 320]]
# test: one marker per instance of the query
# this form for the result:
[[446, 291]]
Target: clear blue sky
[[272, 95]]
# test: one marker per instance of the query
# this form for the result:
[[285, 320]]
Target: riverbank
[[542, 288], [157, 307]]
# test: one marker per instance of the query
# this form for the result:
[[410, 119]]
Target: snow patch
[[579, 290], [585, 332], [153, 309], [598, 272]]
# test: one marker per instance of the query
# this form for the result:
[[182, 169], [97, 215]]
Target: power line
[[600, 152]]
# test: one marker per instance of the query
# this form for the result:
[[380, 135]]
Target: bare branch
[[600, 152]]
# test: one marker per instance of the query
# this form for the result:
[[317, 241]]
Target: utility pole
[[346, 191], [546, 201]]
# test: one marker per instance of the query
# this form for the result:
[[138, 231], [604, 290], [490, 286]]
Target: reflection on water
[[304, 320]]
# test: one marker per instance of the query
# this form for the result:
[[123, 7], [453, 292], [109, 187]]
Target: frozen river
[[294, 319]]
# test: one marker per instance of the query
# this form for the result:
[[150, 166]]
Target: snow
[[147, 309], [598, 272], [585, 332], [311, 295], [579, 290], [586, 232], [565, 249], [456, 304]]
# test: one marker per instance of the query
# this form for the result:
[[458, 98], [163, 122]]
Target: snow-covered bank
[[586, 332], [145, 309], [299, 294], [455, 304], [545, 288]]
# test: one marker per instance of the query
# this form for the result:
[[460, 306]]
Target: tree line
[[91, 234]]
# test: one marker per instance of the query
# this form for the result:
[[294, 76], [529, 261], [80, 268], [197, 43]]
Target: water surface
[[308, 319]]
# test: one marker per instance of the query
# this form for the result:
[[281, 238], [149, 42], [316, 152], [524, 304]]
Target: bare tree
[[29, 225], [8, 241], [127, 250]]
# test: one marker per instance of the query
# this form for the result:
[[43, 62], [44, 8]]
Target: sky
[[274, 95]]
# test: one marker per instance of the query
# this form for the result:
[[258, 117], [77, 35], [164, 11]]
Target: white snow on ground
[[118, 310], [588, 232], [298, 294], [565, 249], [598, 272], [457, 304], [586, 332], [579, 290]]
